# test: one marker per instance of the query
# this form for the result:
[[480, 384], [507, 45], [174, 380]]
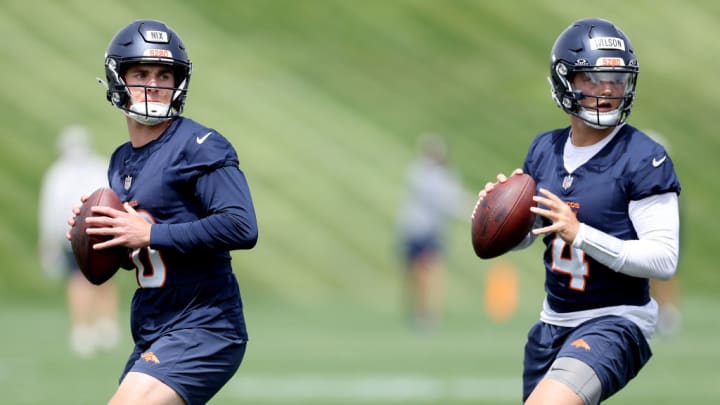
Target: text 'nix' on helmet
[[147, 41], [602, 50]]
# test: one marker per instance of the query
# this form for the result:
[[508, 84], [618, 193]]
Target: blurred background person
[[667, 292], [434, 195], [92, 309]]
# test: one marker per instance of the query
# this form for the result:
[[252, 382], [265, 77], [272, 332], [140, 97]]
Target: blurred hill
[[324, 100]]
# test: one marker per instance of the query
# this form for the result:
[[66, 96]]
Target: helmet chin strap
[[600, 120], [149, 113], [597, 119]]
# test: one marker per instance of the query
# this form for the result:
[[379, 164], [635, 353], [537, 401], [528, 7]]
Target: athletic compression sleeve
[[654, 254]]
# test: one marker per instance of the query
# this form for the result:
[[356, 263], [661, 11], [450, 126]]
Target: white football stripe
[[372, 388]]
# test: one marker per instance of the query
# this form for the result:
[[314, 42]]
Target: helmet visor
[[618, 80]]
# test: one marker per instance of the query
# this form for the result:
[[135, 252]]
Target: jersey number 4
[[570, 261]]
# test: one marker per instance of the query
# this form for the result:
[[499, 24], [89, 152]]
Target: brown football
[[98, 266], [503, 218]]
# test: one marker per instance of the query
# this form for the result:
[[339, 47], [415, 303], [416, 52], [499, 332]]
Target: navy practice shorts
[[415, 247], [195, 362], [613, 346]]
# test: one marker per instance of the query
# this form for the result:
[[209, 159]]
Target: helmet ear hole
[[118, 97], [561, 69]]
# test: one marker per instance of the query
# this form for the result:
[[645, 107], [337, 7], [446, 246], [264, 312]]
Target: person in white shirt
[[434, 196], [92, 309]]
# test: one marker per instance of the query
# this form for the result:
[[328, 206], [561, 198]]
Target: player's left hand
[[564, 220], [128, 229], [501, 178], [75, 212]]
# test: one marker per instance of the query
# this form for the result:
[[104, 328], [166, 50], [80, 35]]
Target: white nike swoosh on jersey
[[657, 163], [204, 137]]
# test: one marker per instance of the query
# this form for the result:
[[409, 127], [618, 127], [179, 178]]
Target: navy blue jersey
[[630, 167], [188, 184]]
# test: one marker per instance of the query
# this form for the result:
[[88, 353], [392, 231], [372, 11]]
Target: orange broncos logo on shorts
[[580, 344], [150, 357]]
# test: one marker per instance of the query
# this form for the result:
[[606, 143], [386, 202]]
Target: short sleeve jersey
[[630, 167]]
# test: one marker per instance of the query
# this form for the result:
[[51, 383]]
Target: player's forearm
[[235, 229], [654, 254], [647, 258]]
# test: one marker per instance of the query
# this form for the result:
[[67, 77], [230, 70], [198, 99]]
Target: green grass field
[[324, 100], [355, 356]]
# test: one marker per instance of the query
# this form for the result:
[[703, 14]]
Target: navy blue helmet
[[146, 41], [604, 52]]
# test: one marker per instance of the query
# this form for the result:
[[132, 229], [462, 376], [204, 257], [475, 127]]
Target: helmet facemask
[[150, 113], [574, 100], [145, 112]]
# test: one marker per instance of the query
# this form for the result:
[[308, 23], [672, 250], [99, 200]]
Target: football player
[[609, 218], [187, 205]]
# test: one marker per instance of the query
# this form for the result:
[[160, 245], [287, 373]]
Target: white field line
[[370, 388]]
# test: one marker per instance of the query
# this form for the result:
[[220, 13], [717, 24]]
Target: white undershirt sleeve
[[654, 254], [530, 237]]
